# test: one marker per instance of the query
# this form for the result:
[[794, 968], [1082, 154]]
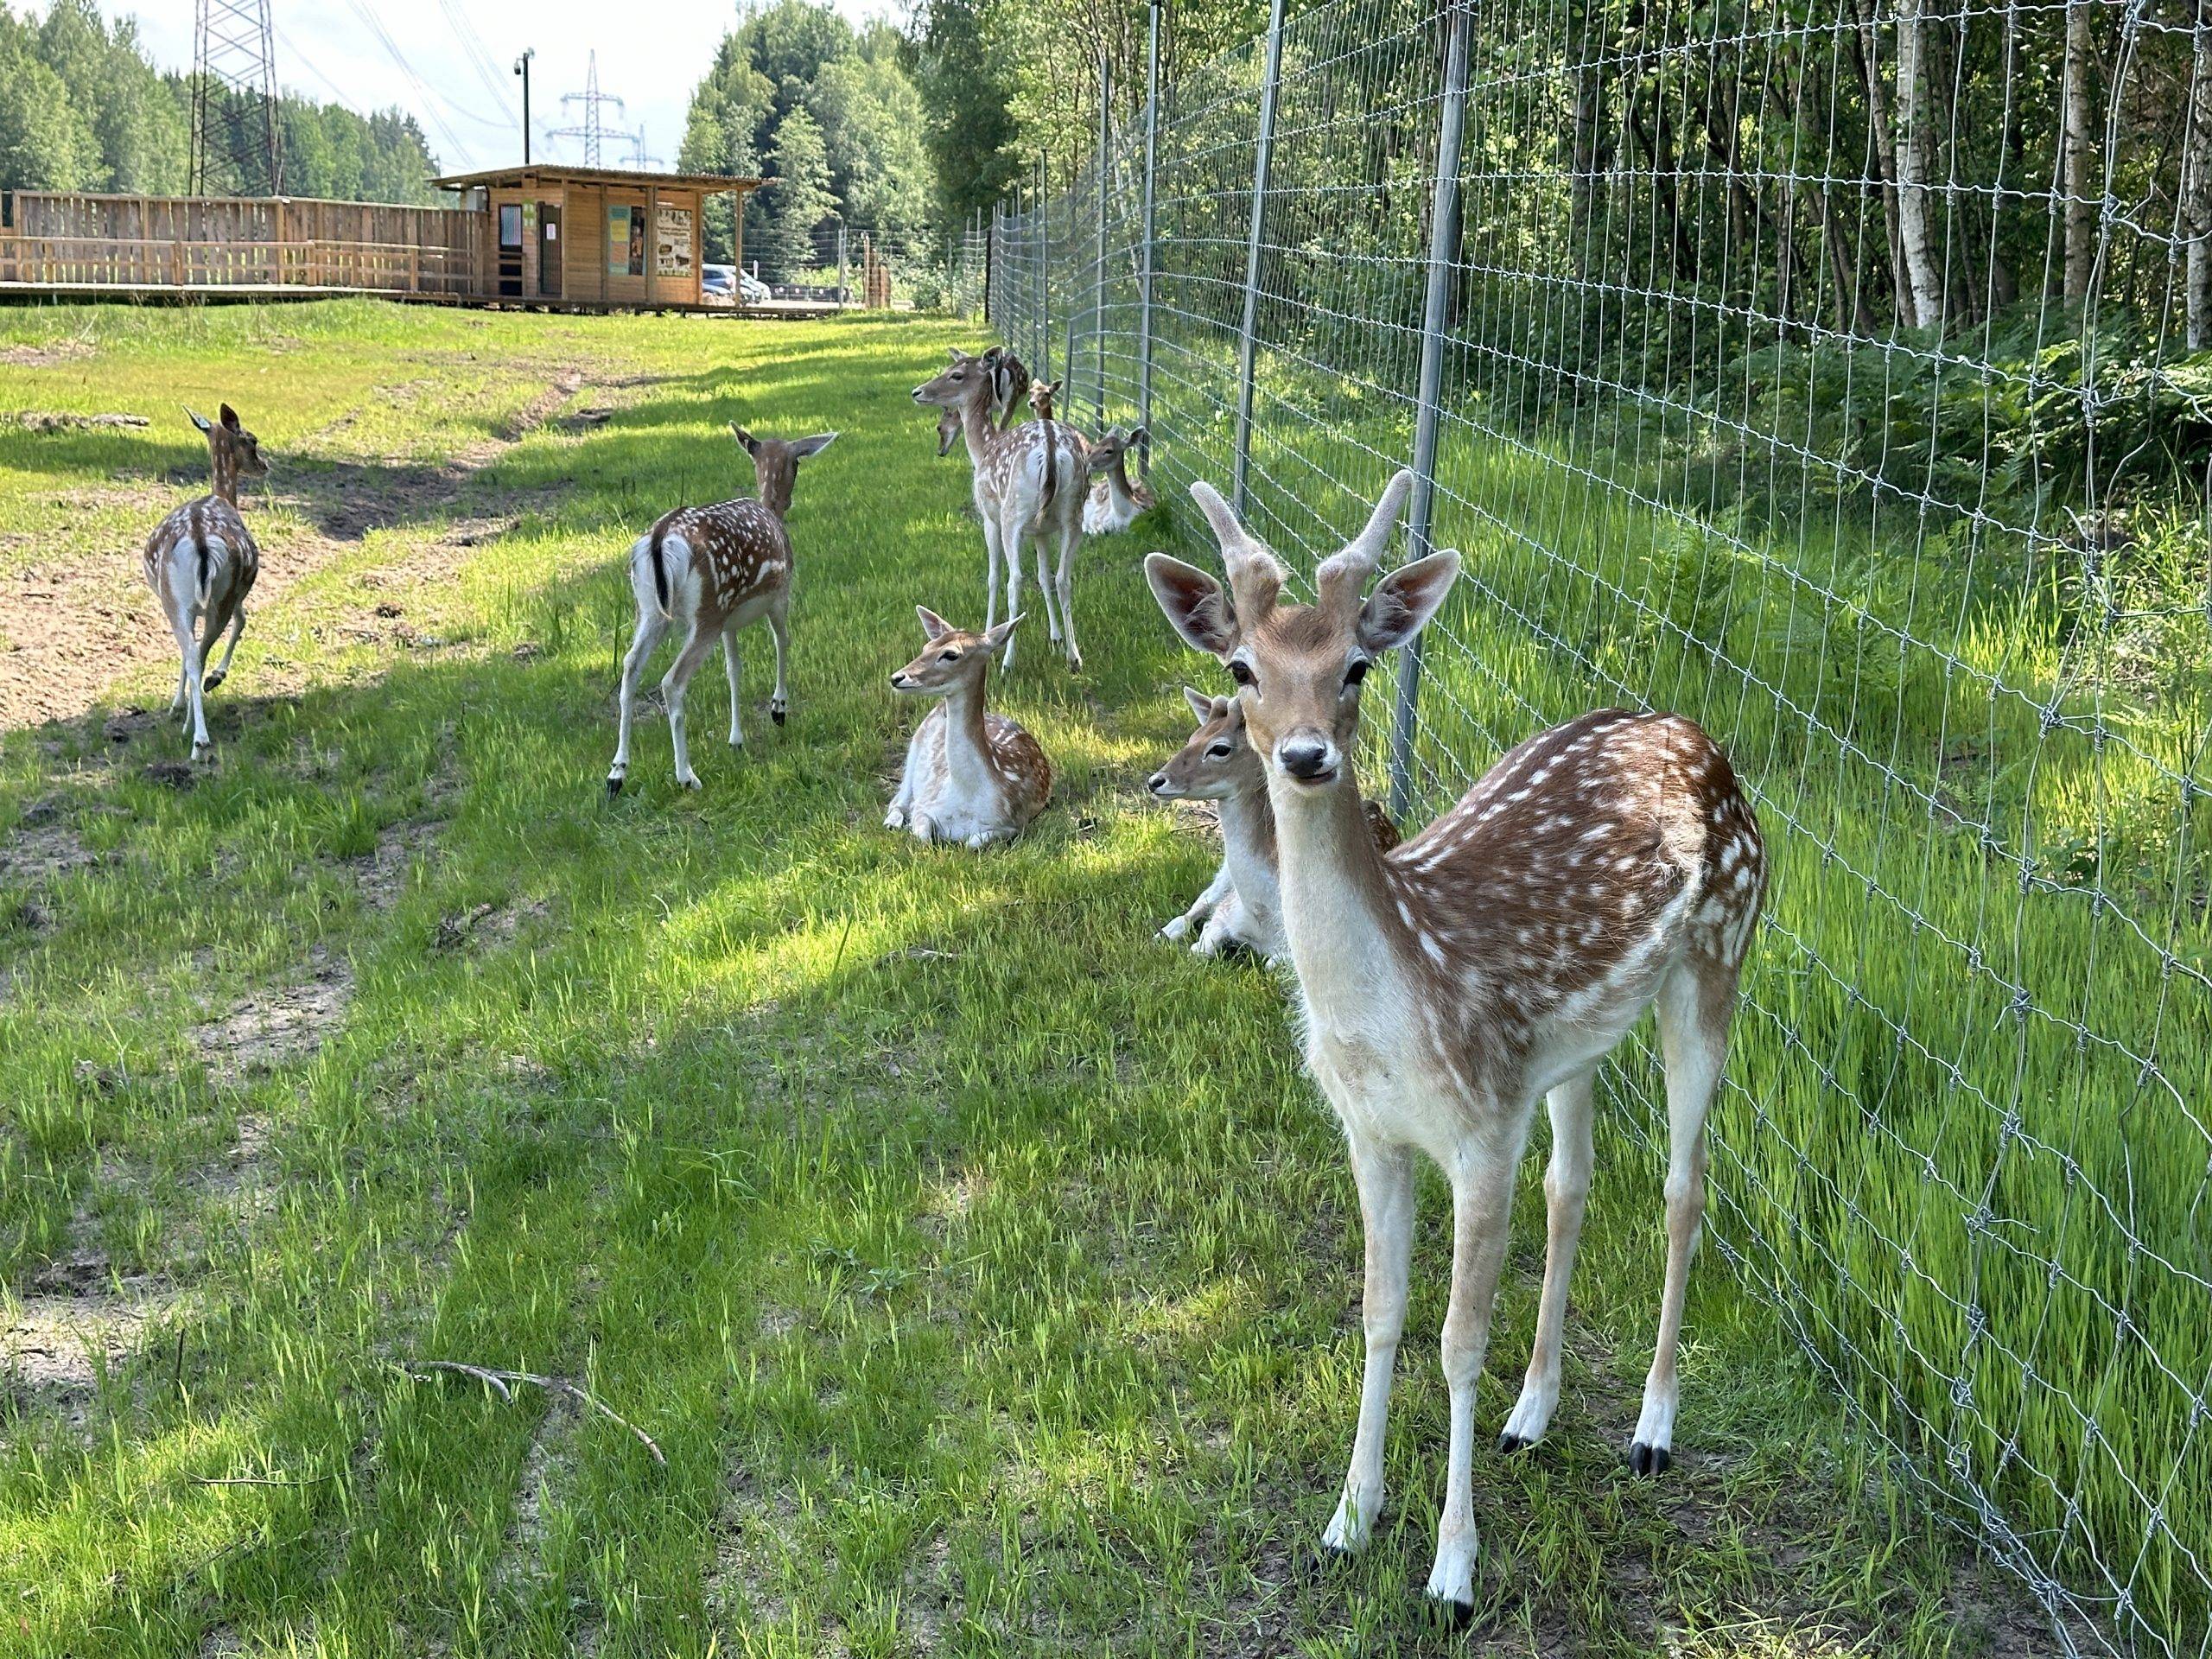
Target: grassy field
[[984, 1270]]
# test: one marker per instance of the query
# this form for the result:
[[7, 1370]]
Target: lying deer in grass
[[201, 562], [717, 570], [1116, 499], [1605, 866], [1027, 487], [1242, 905], [971, 776]]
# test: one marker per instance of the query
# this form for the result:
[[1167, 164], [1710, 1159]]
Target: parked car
[[751, 289], [720, 280]]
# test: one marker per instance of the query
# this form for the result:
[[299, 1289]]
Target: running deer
[[201, 562], [1029, 486], [1115, 498], [717, 570], [1242, 905], [1607, 866], [971, 776]]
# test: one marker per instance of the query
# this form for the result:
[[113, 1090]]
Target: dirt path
[[83, 623]]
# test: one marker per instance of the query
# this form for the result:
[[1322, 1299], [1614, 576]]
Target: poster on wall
[[626, 241], [674, 241]]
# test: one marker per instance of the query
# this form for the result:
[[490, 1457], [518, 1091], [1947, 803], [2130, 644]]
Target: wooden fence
[[69, 240]]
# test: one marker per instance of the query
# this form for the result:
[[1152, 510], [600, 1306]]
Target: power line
[[592, 130]]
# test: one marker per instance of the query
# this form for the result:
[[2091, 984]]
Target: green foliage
[[800, 197], [82, 108]]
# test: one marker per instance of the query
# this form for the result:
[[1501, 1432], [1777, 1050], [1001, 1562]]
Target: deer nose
[[1157, 782], [1309, 759], [899, 681]]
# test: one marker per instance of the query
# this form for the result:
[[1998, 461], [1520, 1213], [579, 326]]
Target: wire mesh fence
[[1836, 373]]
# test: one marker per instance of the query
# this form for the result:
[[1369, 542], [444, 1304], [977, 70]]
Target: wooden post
[[652, 242]]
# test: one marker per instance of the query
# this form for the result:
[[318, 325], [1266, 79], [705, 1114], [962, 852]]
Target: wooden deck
[[19, 292]]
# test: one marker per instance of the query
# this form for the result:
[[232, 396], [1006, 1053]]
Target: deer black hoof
[[613, 787], [775, 714], [213, 680], [1449, 1615], [1510, 1443], [1645, 1461]]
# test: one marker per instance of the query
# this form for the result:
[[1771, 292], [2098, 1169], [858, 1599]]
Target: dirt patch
[[55, 420], [383, 874], [38, 855], [70, 629], [544, 1469], [269, 1030], [484, 927], [51, 355]]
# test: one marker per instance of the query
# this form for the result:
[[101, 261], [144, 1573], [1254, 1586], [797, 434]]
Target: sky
[[442, 61]]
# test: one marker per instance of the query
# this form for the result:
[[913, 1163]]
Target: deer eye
[[1240, 672], [1217, 752], [947, 656], [1355, 674]]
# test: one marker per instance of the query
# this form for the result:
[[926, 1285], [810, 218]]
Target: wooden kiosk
[[585, 238]]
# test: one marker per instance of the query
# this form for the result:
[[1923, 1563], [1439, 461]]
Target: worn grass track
[[985, 1269]]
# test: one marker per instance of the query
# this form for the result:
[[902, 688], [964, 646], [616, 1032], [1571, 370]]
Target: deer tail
[[1052, 463], [203, 571], [660, 571]]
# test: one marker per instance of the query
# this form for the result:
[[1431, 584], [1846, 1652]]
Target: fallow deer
[[717, 570], [201, 562], [971, 776], [1242, 905], [1605, 866], [1009, 383], [1116, 499], [1027, 487]]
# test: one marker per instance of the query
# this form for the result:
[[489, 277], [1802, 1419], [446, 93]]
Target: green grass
[[986, 1270]]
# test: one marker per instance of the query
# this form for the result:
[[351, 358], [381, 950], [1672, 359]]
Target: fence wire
[[1836, 373]]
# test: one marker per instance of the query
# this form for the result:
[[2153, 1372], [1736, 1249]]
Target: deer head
[[1298, 668], [965, 384], [1041, 393], [1217, 763], [775, 463], [953, 657], [234, 452]]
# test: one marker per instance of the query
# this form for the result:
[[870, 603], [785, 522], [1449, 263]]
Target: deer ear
[[996, 637], [229, 416], [933, 625], [1195, 606], [752, 444], [813, 445], [1403, 601], [200, 421], [1201, 704]]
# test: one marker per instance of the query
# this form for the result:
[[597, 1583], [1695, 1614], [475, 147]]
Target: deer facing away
[[1603, 866], [1242, 905], [970, 775], [1028, 488], [201, 562], [717, 570]]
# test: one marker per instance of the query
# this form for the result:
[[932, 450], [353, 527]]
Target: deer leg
[[1010, 543], [673, 687], [1203, 906], [1385, 1177], [731, 664], [1071, 536], [651, 625], [992, 535], [1045, 588], [1695, 1003], [1567, 1193], [222, 670], [1482, 1207], [188, 647], [779, 630]]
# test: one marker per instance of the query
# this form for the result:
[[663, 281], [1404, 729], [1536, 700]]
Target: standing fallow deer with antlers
[[201, 562], [1028, 485], [717, 570], [1116, 499], [1603, 866]]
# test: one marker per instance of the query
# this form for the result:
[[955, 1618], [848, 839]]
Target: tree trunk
[[1884, 149], [1926, 310], [2074, 160]]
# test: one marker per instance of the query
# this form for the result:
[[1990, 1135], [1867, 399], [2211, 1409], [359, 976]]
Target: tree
[[801, 196]]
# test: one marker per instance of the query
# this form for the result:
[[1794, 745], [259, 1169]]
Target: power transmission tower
[[591, 129], [641, 159], [235, 150]]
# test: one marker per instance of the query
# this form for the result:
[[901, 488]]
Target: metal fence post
[[1248, 345], [1098, 273], [1043, 273], [1443, 222], [1144, 282]]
